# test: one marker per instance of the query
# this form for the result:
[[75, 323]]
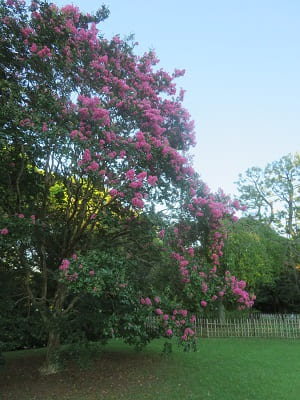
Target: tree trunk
[[221, 311], [51, 365]]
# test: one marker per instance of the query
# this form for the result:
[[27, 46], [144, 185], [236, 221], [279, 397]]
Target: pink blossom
[[148, 301], [86, 157], [44, 52], [92, 272], [156, 299], [141, 175], [236, 204], [93, 216], [184, 263], [139, 195], [21, 216], [204, 287], [189, 332], [191, 251], [4, 231], [161, 233], [137, 202], [166, 317], [237, 291], [136, 184], [152, 180], [33, 48], [242, 284], [93, 166], [203, 303], [113, 192], [64, 264], [158, 311], [169, 332], [130, 174], [112, 154]]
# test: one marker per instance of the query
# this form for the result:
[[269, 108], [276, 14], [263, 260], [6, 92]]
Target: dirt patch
[[113, 376]]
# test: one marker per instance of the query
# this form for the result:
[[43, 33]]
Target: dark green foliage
[[272, 196], [20, 323], [254, 252], [83, 353], [167, 349], [281, 297]]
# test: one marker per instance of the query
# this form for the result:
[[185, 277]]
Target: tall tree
[[92, 136], [272, 194], [254, 252]]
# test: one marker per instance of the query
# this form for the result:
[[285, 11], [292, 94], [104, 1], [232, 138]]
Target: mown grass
[[222, 369]]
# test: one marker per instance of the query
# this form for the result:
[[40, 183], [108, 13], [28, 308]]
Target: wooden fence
[[269, 327]]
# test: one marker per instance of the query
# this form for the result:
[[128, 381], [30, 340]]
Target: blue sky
[[242, 82]]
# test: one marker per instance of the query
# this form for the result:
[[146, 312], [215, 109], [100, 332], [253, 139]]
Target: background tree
[[272, 196], [254, 252]]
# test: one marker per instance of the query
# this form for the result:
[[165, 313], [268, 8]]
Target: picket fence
[[263, 327]]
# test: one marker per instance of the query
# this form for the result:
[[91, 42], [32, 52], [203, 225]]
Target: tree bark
[[51, 364], [221, 311]]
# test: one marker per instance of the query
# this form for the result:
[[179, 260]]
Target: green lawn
[[222, 369]]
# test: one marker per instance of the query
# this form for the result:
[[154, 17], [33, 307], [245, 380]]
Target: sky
[[242, 80]]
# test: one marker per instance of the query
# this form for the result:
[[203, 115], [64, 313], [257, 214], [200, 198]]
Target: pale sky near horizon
[[242, 81]]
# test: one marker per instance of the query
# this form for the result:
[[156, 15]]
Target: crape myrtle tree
[[91, 137], [198, 244]]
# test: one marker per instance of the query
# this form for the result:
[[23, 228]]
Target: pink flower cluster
[[178, 320], [188, 332], [237, 289], [64, 265]]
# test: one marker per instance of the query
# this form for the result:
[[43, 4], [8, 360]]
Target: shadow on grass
[[116, 374]]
